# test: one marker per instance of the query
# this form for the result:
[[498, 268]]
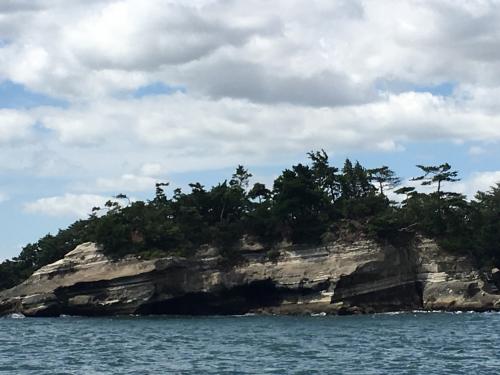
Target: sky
[[100, 97]]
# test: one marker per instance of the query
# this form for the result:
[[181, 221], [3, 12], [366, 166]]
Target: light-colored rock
[[342, 277]]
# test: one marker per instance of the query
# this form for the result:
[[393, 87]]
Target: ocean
[[406, 343]]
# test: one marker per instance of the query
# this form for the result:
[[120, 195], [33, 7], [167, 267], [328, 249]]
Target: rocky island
[[322, 240]]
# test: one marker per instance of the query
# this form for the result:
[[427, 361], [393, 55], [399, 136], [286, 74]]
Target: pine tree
[[437, 174], [384, 177]]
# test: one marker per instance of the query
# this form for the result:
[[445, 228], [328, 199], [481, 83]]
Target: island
[[321, 240]]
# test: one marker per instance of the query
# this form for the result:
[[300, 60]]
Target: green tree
[[485, 222], [325, 175], [241, 177], [260, 192], [355, 181], [436, 175], [300, 207], [384, 177], [160, 196]]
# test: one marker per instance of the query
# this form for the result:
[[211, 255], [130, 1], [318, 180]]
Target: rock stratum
[[359, 276]]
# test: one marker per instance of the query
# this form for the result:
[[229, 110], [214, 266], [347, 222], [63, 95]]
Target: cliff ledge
[[341, 278]]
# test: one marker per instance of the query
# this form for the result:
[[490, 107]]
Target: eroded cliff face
[[343, 277]]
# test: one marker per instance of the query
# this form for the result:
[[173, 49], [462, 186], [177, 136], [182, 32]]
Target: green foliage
[[485, 223], [240, 177], [300, 207], [308, 204], [437, 174], [325, 176], [260, 192], [358, 197], [355, 181], [384, 177]]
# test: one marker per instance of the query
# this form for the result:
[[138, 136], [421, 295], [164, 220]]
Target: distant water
[[413, 343]]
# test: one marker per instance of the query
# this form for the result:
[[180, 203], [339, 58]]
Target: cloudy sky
[[99, 97]]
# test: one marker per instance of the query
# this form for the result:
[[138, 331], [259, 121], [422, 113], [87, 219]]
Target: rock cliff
[[342, 278]]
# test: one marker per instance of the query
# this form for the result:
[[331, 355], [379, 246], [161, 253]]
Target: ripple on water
[[412, 343]]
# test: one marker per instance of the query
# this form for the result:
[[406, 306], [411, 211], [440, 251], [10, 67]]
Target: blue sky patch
[[157, 88], [397, 87], [15, 96]]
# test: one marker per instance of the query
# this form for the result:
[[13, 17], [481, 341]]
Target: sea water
[[409, 343]]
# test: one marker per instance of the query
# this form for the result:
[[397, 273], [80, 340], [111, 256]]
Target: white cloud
[[479, 181], [125, 144], [178, 128], [133, 35], [125, 183], [152, 169], [263, 82], [322, 52], [70, 205], [14, 126]]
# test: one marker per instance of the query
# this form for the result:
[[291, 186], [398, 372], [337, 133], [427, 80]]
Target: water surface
[[412, 343]]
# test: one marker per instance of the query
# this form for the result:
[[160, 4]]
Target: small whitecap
[[16, 316], [319, 314]]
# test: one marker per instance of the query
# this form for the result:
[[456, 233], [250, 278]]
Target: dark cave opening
[[238, 300]]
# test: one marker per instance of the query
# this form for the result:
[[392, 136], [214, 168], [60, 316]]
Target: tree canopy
[[437, 174], [307, 204]]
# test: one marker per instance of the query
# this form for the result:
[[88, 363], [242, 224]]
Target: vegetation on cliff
[[307, 204]]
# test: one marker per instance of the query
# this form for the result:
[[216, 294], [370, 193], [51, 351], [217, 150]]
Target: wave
[[15, 316], [319, 314]]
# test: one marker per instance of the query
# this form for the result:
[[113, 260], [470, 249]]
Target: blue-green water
[[413, 343]]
